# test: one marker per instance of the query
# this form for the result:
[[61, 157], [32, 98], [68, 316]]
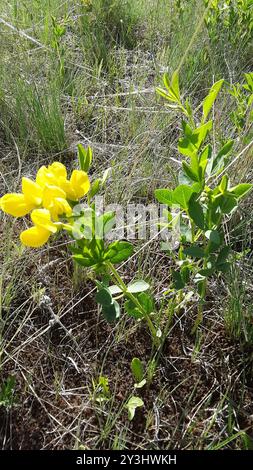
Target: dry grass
[[53, 339]]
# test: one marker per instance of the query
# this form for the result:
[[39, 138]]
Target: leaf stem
[[131, 297]]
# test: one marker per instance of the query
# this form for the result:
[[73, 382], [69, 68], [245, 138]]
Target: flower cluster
[[47, 198]]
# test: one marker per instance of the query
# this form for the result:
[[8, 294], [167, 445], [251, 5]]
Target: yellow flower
[[58, 169], [54, 199], [42, 218], [56, 175], [47, 199], [77, 186], [50, 175], [43, 227], [32, 192], [17, 204]]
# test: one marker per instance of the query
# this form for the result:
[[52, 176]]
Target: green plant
[[138, 372], [204, 198], [92, 251], [232, 16], [59, 30], [238, 309], [7, 393], [33, 115], [101, 389], [105, 24], [131, 405], [242, 94]]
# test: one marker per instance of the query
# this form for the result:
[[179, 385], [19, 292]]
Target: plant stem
[[131, 297], [202, 293]]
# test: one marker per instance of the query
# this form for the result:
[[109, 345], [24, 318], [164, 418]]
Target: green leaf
[[206, 272], [241, 190], [146, 301], [224, 184], [185, 231], [95, 187], [194, 251], [184, 179], [196, 213], [172, 94], [223, 255], [132, 310], [175, 85], [86, 261], [140, 384], [190, 144], [85, 157], [182, 195], [211, 97], [178, 280], [218, 161], [114, 290], [164, 196], [103, 223], [186, 147], [213, 236], [104, 297], [201, 133], [249, 80], [111, 312], [137, 369], [119, 251], [137, 286], [225, 149], [226, 203], [190, 172], [205, 161], [188, 131], [168, 97], [7, 389], [132, 404], [106, 175]]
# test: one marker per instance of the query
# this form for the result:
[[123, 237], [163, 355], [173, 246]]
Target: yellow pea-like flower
[[60, 207], [15, 204], [50, 175], [58, 170], [32, 192], [42, 218], [80, 183], [43, 227], [54, 199], [77, 186], [35, 236], [45, 177], [47, 198], [67, 188]]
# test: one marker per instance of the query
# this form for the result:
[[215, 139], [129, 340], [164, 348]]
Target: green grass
[[96, 84]]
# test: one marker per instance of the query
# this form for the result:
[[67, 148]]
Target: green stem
[[202, 294], [131, 297]]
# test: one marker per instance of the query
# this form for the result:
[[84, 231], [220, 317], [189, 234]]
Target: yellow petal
[[66, 186], [50, 193], [34, 237], [42, 218], [45, 177], [59, 206], [80, 183], [58, 169], [32, 191], [15, 204]]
